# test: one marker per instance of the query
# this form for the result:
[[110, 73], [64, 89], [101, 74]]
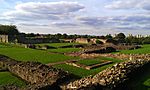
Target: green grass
[[89, 62], [23, 54], [144, 50], [64, 50], [57, 44], [7, 78], [83, 72]]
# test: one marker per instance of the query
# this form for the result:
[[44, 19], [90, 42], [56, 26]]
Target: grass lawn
[[89, 62], [23, 54], [7, 78], [83, 72], [145, 49], [58, 44], [26, 54], [64, 50]]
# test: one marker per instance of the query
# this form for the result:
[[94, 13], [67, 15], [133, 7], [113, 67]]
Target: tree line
[[8, 30], [119, 38]]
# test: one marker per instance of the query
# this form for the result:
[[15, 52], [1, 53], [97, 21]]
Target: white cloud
[[64, 24], [61, 7], [125, 22], [129, 4], [48, 11]]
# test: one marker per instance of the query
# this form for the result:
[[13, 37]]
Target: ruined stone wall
[[4, 38], [109, 78], [40, 76], [118, 56], [34, 73]]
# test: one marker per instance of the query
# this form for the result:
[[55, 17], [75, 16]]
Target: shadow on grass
[[136, 81], [140, 77]]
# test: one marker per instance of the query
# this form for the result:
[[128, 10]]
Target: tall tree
[[120, 37], [8, 30]]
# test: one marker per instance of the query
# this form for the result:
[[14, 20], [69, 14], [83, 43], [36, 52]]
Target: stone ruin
[[37, 75], [41, 77], [108, 79], [118, 56], [101, 49], [88, 67]]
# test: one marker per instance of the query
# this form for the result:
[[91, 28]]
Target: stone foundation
[[88, 67], [42, 77], [109, 78], [35, 73]]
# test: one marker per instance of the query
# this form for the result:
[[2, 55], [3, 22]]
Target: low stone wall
[[119, 56], [42, 77], [35, 73], [109, 78]]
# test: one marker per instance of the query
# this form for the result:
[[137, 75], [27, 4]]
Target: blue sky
[[95, 17]]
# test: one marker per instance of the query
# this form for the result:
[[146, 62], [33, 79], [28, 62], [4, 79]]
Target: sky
[[92, 17]]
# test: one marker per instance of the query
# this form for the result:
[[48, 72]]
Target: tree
[[9, 30], [108, 36], [120, 37], [64, 36]]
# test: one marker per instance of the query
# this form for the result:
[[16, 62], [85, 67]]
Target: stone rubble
[[35, 73], [119, 56], [109, 78], [40, 76]]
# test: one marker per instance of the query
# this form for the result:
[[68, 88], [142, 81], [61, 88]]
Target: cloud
[[39, 11], [92, 21], [129, 4], [31, 24], [28, 16], [63, 24], [61, 7], [119, 22]]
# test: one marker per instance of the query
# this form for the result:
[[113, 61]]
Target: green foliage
[[120, 37], [8, 30], [146, 40], [108, 36], [138, 40]]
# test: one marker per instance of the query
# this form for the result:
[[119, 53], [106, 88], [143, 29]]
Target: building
[[82, 40], [92, 40], [68, 40], [4, 38]]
